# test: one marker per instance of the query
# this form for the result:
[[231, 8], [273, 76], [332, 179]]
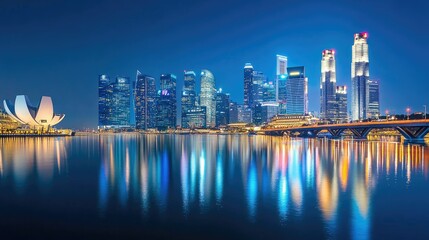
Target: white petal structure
[[24, 112]]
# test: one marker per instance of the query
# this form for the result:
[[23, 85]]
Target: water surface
[[212, 187]]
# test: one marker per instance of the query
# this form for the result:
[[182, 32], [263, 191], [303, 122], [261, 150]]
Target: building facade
[[248, 80], [188, 96], [328, 86], [296, 91], [360, 76], [197, 117], [121, 103], [104, 101], [207, 96], [373, 107], [166, 102], [244, 113], [341, 104], [145, 101], [280, 85], [233, 112], [222, 108]]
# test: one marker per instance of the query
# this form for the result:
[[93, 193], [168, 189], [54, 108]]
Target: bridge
[[413, 131]]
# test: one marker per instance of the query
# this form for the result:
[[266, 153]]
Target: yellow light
[[294, 73]]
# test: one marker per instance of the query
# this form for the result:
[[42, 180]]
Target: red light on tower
[[333, 52], [365, 35]]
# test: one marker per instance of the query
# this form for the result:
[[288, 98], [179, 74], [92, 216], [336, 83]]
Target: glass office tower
[[341, 104], [188, 96], [167, 102], [328, 86], [144, 101], [373, 108], [281, 77], [296, 91], [207, 96], [104, 101], [222, 108], [360, 76]]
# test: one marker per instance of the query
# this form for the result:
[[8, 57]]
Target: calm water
[[212, 187]]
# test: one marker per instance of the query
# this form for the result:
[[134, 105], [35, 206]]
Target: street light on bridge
[[408, 112]]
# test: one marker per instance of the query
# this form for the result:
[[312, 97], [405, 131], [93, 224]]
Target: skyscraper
[[104, 101], [144, 101], [233, 112], [244, 113], [188, 96], [207, 96], [373, 108], [222, 108], [121, 102], [269, 92], [248, 80], [327, 86], [360, 76], [197, 117], [296, 91], [280, 85], [114, 102], [257, 93], [167, 103], [341, 104]]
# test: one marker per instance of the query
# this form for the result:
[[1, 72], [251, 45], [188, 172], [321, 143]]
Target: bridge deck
[[381, 124]]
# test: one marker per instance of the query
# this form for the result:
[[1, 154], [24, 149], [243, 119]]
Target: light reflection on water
[[253, 179], [21, 158]]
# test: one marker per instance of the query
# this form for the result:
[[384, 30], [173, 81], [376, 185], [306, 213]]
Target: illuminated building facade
[[197, 117], [233, 112], [280, 85], [360, 76], [207, 96], [296, 91], [269, 92], [341, 104], [121, 102], [188, 96], [222, 108], [145, 101], [166, 103], [248, 80], [328, 86], [373, 108], [104, 101], [244, 113]]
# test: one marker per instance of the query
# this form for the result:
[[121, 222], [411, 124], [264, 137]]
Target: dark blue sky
[[59, 48]]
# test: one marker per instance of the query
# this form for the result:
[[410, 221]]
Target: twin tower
[[364, 91]]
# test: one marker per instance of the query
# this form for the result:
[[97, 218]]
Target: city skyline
[[44, 61]]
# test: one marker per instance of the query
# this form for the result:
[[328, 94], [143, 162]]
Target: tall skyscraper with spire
[[328, 86], [208, 96], [360, 76]]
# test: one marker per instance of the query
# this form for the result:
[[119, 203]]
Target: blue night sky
[[58, 48]]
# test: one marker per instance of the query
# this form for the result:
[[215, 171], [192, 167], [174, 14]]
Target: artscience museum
[[40, 116]]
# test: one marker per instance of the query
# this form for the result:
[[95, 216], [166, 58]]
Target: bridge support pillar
[[360, 133], [413, 134], [335, 133]]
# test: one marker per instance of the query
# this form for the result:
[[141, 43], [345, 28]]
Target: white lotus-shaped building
[[24, 112]]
